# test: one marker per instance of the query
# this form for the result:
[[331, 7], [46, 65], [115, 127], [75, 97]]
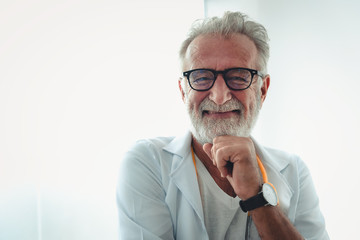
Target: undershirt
[[223, 217]]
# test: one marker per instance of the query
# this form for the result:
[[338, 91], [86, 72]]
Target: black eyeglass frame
[[253, 72]]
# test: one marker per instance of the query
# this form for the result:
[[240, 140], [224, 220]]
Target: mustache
[[231, 105]]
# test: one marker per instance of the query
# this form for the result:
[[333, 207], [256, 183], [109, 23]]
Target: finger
[[222, 161], [222, 165]]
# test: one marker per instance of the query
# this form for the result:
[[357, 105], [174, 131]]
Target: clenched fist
[[235, 157]]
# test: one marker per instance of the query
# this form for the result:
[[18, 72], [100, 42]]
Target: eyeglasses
[[235, 78]]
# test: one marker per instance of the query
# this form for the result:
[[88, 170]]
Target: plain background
[[312, 108], [82, 80]]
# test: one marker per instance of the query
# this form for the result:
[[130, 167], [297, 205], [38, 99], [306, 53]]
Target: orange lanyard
[[261, 166]]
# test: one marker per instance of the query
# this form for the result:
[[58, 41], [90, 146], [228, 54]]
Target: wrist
[[266, 196], [250, 193]]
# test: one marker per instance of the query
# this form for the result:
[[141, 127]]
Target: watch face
[[270, 194]]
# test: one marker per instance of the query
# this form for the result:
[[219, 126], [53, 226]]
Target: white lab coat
[[159, 198]]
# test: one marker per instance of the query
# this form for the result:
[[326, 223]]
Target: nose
[[220, 93]]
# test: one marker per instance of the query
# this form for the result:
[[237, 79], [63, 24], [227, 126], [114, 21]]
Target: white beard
[[205, 129]]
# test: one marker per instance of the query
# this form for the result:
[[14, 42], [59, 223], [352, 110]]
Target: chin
[[205, 127], [205, 133]]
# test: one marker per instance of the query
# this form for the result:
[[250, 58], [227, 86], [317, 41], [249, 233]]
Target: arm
[[143, 213], [271, 223], [245, 178], [308, 219]]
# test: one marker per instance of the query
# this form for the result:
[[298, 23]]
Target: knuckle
[[222, 153], [217, 139]]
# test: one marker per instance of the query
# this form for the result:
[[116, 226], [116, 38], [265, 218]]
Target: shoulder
[[292, 158], [150, 145], [281, 155], [146, 150], [145, 161], [284, 162], [279, 158]]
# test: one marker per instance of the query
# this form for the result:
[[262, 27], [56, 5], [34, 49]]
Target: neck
[[200, 153]]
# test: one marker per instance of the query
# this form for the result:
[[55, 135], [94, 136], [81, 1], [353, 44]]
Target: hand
[[235, 157]]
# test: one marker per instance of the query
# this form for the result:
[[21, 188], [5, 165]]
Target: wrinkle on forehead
[[205, 47], [193, 54]]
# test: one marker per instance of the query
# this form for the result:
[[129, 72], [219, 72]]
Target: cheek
[[242, 96], [247, 99], [194, 99]]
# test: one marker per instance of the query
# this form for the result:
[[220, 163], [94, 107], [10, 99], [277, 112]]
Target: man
[[217, 182]]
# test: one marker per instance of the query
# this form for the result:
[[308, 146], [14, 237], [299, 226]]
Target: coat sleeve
[[309, 220], [143, 213]]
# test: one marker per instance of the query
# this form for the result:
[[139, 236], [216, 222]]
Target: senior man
[[216, 181]]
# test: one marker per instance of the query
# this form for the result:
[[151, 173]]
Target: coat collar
[[275, 163], [278, 164], [183, 172], [184, 175], [180, 145]]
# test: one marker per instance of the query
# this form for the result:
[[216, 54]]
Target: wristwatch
[[267, 196]]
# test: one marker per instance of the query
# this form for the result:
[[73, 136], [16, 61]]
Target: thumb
[[207, 149]]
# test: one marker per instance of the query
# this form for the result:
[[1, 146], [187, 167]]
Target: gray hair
[[231, 23]]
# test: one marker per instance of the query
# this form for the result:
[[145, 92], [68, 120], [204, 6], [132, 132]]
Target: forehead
[[218, 52]]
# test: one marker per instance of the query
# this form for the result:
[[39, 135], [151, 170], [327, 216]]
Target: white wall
[[68, 109], [313, 104], [79, 82]]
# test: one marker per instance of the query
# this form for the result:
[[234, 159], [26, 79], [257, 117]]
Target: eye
[[238, 78], [201, 79], [238, 83]]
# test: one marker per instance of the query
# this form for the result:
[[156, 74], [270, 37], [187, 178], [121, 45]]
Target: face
[[221, 111]]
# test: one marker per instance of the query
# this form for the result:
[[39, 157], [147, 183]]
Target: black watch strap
[[253, 202]]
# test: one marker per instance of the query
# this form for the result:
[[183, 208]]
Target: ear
[[181, 89], [265, 88]]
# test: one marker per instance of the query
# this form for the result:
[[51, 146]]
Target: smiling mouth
[[221, 114]]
